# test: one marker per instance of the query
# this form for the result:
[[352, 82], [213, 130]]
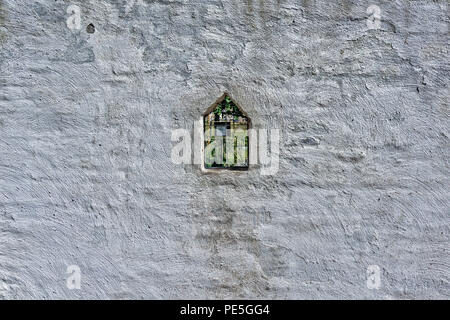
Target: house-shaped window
[[226, 136]]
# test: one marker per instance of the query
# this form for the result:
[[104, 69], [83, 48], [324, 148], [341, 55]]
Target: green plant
[[228, 107], [232, 113]]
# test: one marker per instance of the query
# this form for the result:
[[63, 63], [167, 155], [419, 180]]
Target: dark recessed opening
[[90, 28]]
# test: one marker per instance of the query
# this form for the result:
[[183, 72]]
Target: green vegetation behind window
[[226, 136]]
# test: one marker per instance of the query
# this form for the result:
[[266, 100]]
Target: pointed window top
[[226, 136]]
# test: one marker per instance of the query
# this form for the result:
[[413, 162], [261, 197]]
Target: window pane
[[226, 141]]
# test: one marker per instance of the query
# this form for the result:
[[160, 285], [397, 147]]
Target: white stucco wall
[[86, 177]]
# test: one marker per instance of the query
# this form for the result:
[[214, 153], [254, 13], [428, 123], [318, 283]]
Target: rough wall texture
[[86, 177]]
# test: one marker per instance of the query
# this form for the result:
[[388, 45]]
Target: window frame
[[249, 125]]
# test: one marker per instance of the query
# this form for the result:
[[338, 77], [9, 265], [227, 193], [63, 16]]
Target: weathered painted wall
[[86, 177]]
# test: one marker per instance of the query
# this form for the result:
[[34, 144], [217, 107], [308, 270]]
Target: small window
[[226, 136]]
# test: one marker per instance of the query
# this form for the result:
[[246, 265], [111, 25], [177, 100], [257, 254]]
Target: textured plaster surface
[[86, 177]]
